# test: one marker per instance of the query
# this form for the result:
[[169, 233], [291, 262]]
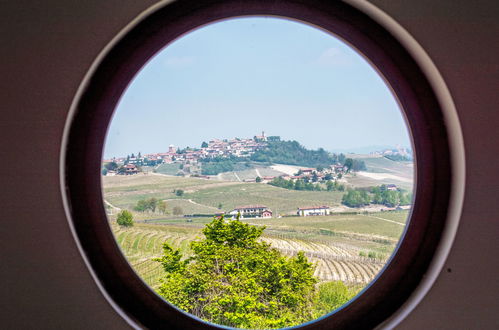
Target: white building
[[313, 210], [252, 211]]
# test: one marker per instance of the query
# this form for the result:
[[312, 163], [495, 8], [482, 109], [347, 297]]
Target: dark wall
[[48, 46]]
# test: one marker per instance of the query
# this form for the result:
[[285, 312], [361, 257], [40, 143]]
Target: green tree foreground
[[235, 280], [125, 219]]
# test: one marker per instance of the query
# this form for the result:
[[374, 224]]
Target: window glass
[[258, 173]]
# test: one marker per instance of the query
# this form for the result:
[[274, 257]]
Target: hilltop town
[[220, 155], [216, 148]]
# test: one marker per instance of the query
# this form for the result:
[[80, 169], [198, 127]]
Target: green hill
[[293, 153]]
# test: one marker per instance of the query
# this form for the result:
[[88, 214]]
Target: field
[[126, 191], [381, 170], [170, 169], [249, 174], [141, 243], [350, 247]]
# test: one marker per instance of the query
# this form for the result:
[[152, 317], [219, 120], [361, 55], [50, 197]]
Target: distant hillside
[[293, 153], [381, 170]]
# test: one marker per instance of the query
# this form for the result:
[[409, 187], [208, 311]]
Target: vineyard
[[351, 247], [334, 261], [141, 243]]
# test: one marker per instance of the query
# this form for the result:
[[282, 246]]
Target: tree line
[[293, 153], [152, 205], [377, 195], [306, 184]]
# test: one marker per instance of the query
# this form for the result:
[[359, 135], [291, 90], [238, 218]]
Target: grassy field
[[385, 165], [279, 200], [249, 174], [381, 170], [169, 169], [356, 223], [126, 191], [399, 216]]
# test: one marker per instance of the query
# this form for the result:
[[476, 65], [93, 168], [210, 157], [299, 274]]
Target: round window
[[258, 172]]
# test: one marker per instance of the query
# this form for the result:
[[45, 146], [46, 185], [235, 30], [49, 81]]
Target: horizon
[[238, 77]]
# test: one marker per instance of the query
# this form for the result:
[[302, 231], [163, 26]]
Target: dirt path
[[112, 206], [237, 177], [258, 172], [190, 201], [395, 222]]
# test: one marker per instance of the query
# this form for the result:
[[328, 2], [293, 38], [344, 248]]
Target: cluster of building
[[313, 210], [312, 174], [262, 211], [237, 147], [398, 151], [251, 211]]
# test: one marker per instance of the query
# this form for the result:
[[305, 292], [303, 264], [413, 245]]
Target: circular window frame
[[104, 86]]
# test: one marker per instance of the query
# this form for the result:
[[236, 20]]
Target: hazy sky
[[239, 77]]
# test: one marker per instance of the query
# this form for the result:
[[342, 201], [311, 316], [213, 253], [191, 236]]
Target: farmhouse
[[307, 171], [131, 169], [391, 187], [313, 210], [252, 211]]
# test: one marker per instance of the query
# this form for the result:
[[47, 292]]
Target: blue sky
[[239, 77]]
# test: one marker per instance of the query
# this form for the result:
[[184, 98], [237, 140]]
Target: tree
[[293, 153], [177, 210], [152, 203], [204, 145], [162, 207], [358, 165], [332, 295], [141, 206], [391, 198], [258, 179], [348, 163], [330, 185], [356, 198], [233, 279], [220, 205], [299, 185], [179, 192], [111, 166], [405, 199], [125, 218], [144, 205]]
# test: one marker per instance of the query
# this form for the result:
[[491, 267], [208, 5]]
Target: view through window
[[258, 173]]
